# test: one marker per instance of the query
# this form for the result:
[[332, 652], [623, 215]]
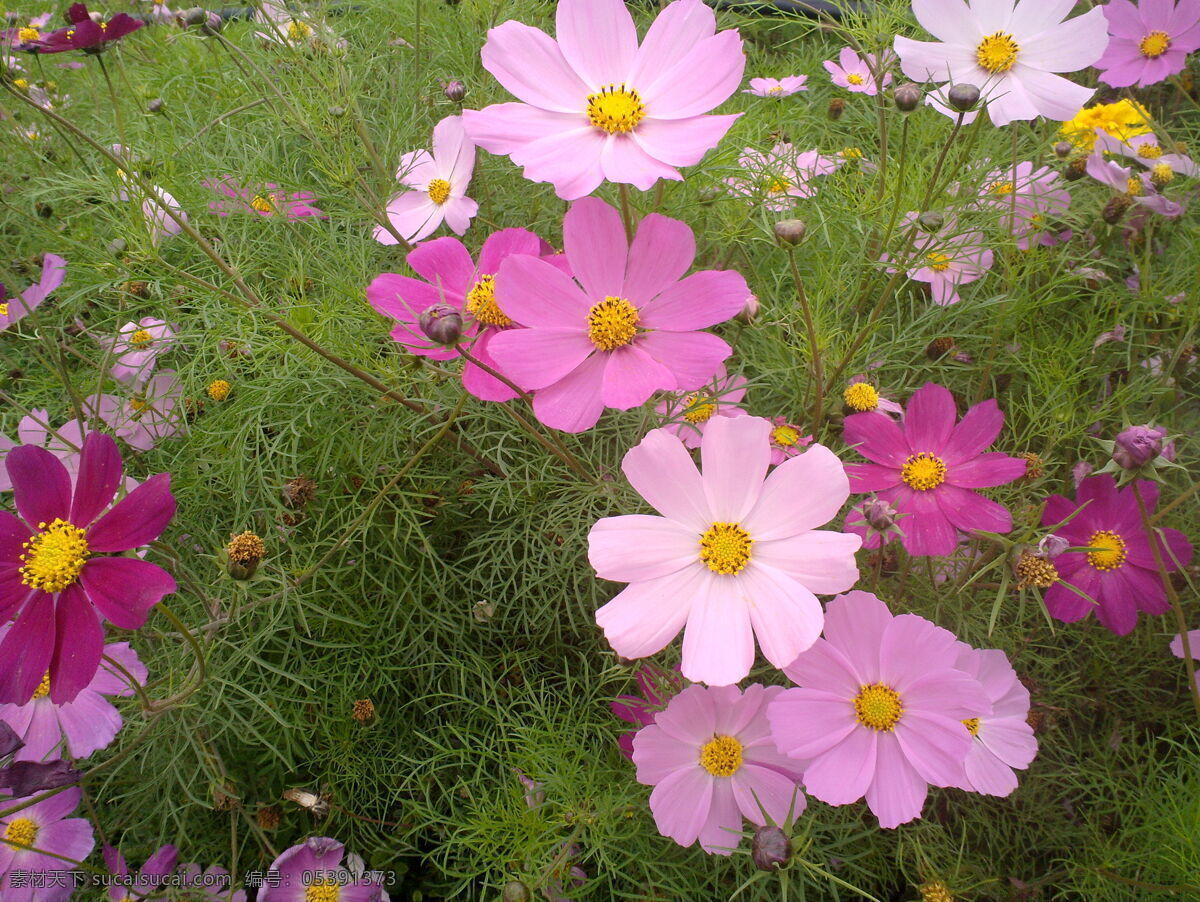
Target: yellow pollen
[[878, 706], [322, 891], [777, 185], [28, 33], [140, 338], [138, 404], [854, 78], [935, 891], [777, 89], [43, 688], [1112, 550], [721, 756], [923, 472], [262, 204], [1161, 174], [21, 84], [1134, 186], [1035, 571], [3, 309], [698, 408], [481, 303], [972, 725], [54, 557], [1155, 44], [219, 389], [1000, 188], [852, 153], [725, 548], [617, 110], [861, 396], [21, 832], [439, 191], [612, 323], [299, 31], [1149, 151], [785, 436], [997, 52], [246, 547]]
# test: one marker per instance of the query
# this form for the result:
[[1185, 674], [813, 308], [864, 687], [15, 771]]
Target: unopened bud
[[939, 347], [963, 97], [1052, 546], [1115, 209], [515, 891], [837, 106], [155, 105], [1137, 446], [1063, 149], [455, 91], [907, 97], [196, 15], [1075, 169], [749, 310], [880, 515], [442, 324], [790, 232], [771, 848], [931, 221]]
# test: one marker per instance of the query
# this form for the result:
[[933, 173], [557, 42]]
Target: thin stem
[[626, 211], [197, 650], [112, 93], [814, 348]]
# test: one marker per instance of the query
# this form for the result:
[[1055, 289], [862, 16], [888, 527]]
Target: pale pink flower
[[1139, 187], [946, 259], [689, 413], [136, 347], [1147, 150], [1028, 199], [776, 178], [777, 87], [853, 72], [153, 411]]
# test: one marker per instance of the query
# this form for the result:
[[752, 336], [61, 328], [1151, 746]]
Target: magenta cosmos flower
[[314, 865], [929, 467], [1002, 740], [853, 73], [265, 200], [777, 87], [736, 554], [1010, 50], [1119, 575], [787, 440], [628, 325], [690, 413], [596, 106], [658, 687], [54, 271], [1147, 150], [1138, 186], [88, 724], [86, 35], [439, 187], [150, 882], [1149, 42], [449, 276], [879, 711], [47, 826], [776, 178], [136, 348], [61, 573], [946, 259], [711, 760]]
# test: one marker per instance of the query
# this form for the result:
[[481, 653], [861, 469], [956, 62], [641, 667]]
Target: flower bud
[[1136, 447], [749, 310], [1075, 169], [195, 15], [880, 515], [963, 97], [1063, 149], [442, 324], [931, 221], [837, 106], [155, 105], [1052, 546], [790, 232], [455, 91], [515, 891], [771, 848], [907, 97]]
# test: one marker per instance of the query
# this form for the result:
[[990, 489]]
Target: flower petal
[[99, 476], [897, 792], [807, 723], [800, 494], [693, 357], [877, 437], [681, 804], [536, 358], [929, 419], [27, 650], [78, 646], [631, 376], [638, 547], [701, 300], [533, 292], [974, 433], [124, 589], [718, 642], [531, 66], [819, 560], [735, 455], [842, 775], [660, 469], [573, 403], [597, 39], [41, 485], [785, 615], [594, 241], [137, 519]]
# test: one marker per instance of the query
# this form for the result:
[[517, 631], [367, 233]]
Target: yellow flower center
[[28, 33], [1149, 151], [1134, 186], [21, 832], [854, 78], [43, 688], [54, 557], [262, 204], [615, 109], [219, 389], [725, 548], [140, 338], [439, 191], [852, 153], [1111, 553], [1155, 44], [299, 31], [861, 396], [972, 725], [322, 891], [3, 309], [777, 185], [785, 436], [997, 52], [923, 472], [698, 408], [776, 89], [935, 891], [481, 303], [1161, 174], [1003, 187], [612, 323], [878, 706], [938, 262], [721, 756], [21, 84]]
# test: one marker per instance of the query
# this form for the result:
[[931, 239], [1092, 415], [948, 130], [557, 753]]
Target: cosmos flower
[[853, 72], [25, 38], [1028, 199], [12, 310], [136, 347], [928, 468], [787, 440], [777, 87], [1138, 187], [266, 200], [627, 326], [1119, 575], [1121, 120], [690, 413], [1149, 42], [450, 277], [1146, 150], [315, 865], [879, 711], [947, 259], [153, 410], [596, 106], [88, 724], [1193, 647], [286, 28], [711, 760], [86, 35], [48, 827], [861, 396], [1010, 50], [775, 178], [736, 554], [658, 686], [60, 571], [34, 429], [150, 879], [439, 187]]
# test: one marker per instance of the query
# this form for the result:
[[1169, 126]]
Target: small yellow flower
[[219, 389]]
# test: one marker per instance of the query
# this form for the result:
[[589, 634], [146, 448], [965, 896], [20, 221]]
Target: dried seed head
[[1115, 209], [1035, 467], [244, 553], [1075, 169], [298, 492], [1034, 570], [318, 805], [515, 891], [137, 288], [269, 817], [837, 106], [939, 347], [219, 389], [364, 711], [931, 221]]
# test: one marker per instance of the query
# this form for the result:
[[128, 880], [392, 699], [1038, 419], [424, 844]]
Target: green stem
[[116, 103], [814, 347], [626, 211]]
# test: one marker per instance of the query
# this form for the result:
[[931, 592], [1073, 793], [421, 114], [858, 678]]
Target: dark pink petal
[[78, 646], [693, 357], [533, 292], [137, 519], [661, 253], [13, 592], [1146, 588], [1057, 509], [121, 25], [573, 403], [482, 384], [970, 511], [504, 243], [41, 485], [872, 477], [701, 300], [594, 240], [985, 471], [26, 650], [927, 532], [1118, 610], [445, 264], [929, 419], [977, 429], [124, 589], [876, 437], [13, 535], [1069, 606], [98, 479], [631, 376]]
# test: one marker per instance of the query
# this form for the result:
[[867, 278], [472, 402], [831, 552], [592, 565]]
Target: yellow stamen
[[219, 389], [785, 436], [1161, 175], [854, 78], [1155, 44], [616, 109], [997, 52], [246, 547], [21, 84], [43, 688], [861, 396], [778, 185], [262, 204], [612, 323], [21, 832], [1112, 550], [54, 557], [725, 548], [1134, 186], [698, 408], [140, 338], [322, 891], [721, 756], [972, 725], [938, 262], [923, 472], [3, 309], [299, 31], [27, 34], [1003, 187], [776, 89], [481, 303], [439, 191], [878, 706], [1149, 151]]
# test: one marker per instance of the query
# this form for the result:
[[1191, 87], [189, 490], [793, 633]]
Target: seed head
[[364, 711], [1034, 570], [515, 891], [269, 817], [1115, 209], [837, 106], [244, 553], [219, 389], [298, 492]]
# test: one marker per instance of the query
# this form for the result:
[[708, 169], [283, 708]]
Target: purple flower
[[688, 413], [777, 87], [149, 882], [1026, 197], [264, 199], [1149, 42], [44, 825], [946, 259], [1147, 150], [54, 270], [297, 869], [1138, 188], [776, 178], [658, 687], [136, 348], [85, 34]]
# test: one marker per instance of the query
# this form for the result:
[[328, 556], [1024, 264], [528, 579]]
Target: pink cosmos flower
[[34, 429], [626, 327], [54, 271], [1027, 198], [787, 440], [213, 884], [879, 711], [452, 278], [1193, 647], [60, 571], [136, 348], [690, 413], [946, 259], [853, 73], [777, 177], [1139, 187], [153, 207], [1148, 42], [1119, 576], [149, 882], [735, 554], [88, 724], [777, 87], [928, 468], [596, 106], [658, 687], [48, 827], [284, 27], [152, 413], [711, 761], [1003, 740], [1147, 150], [264, 199], [1010, 50], [439, 187], [317, 863]]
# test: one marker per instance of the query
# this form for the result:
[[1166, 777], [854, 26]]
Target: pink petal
[[843, 774], [124, 589], [681, 804], [27, 650], [533, 292], [897, 793], [622, 159], [735, 455], [911, 646], [757, 788], [682, 142], [855, 624], [693, 357], [597, 39], [721, 831], [673, 33], [137, 519], [446, 264], [458, 212], [785, 615], [985, 471], [946, 20], [505, 243], [970, 511], [807, 723], [569, 160], [658, 755], [638, 547], [927, 532], [876, 437], [531, 66], [573, 403], [974, 433], [78, 646], [41, 485], [935, 746], [700, 81], [661, 253], [504, 128], [479, 383], [987, 774], [819, 560], [99, 475], [872, 477], [660, 469], [1009, 739], [929, 420], [800, 494], [631, 376], [701, 300], [413, 215], [718, 644], [691, 716], [1066, 46], [825, 668], [537, 358], [594, 241]]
